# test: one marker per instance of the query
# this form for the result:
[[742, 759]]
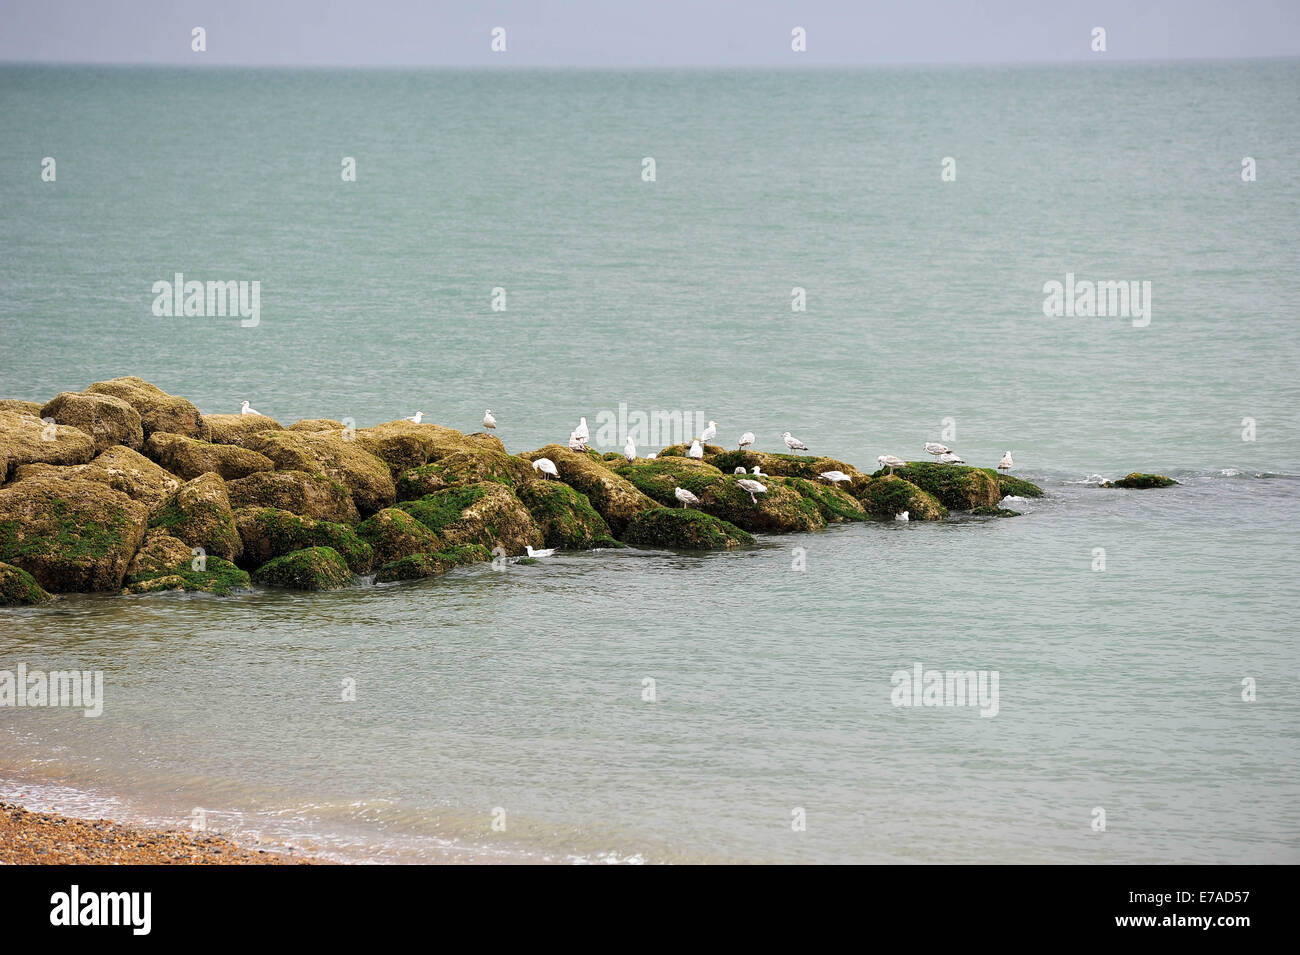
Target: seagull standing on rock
[[951, 457], [577, 442], [710, 433], [757, 471], [753, 487], [746, 439], [489, 422], [629, 450], [685, 496], [933, 447], [891, 462], [740, 471], [695, 451], [1006, 464], [245, 409], [547, 467], [835, 477], [581, 430], [793, 443]]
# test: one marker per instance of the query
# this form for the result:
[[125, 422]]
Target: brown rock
[[189, 457]]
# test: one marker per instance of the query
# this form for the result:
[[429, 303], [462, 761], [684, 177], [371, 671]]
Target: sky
[[639, 33]]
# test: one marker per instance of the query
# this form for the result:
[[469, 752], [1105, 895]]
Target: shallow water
[[522, 690]]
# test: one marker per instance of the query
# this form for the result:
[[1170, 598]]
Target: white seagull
[[891, 462], [793, 443], [546, 466], [757, 471], [901, 516], [695, 450], [547, 552], [746, 439], [415, 417], [685, 496], [245, 409], [488, 420], [753, 487], [581, 430], [951, 457], [577, 442], [740, 471], [1006, 464], [710, 432], [629, 450], [835, 476], [651, 456], [933, 447]]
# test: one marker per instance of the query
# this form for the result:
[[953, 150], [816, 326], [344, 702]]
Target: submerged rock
[[956, 486], [164, 563], [683, 529], [28, 440], [107, 419], [199, 514], [615, 498], [564, 516], [888, 496], [393, 534], [268, 532], [312, 568], [486, 513], [190, 457], [158, 410], [121, 469], [19, 588], [307, 495], [419, 566], [1137, 481], [334, 456], [994, 512]]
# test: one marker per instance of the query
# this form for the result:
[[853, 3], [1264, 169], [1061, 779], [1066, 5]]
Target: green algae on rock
[[334, 456], [887, 496], [166, 564], [994, 512], [20, 589], [781, 510], [199, 514], [307, 495], [683, 529], [312, 568], [1137, 481], [956, 487], [268, 532], [420, 566], [486, 513], [564, 517], [614, 498], [460, 468], [393, 534], [119, 468], [1013, 487]]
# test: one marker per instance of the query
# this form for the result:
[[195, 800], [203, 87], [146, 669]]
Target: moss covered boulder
[[486, 513], [190, 457], [316, 424], [683, 529], [463, 467], [335, 456], [20, 589], [1010, 486], [659, 478], [393, 534], [1137, 481], [781, 465], [199, 514], [25, 439], [71, 535], [564, 516], [419, 566], [237, 429], [994, 512], [107, 419], [268, 532], [308, 495], [158, 410], [21, 406], [615, 498], [680, 450], [164, 563], [835, 505], [312, 568], [887, 496], [957, 487], [403, 445], [121, 469]]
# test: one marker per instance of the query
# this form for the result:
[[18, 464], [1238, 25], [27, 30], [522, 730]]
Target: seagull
[[951, 457], [746, 439], [685, 496], [932, 447], [793, 443], [740, 471], [835, 476], [488, 420], [546, 466], [629, 450], [539, 553], [577, 442], [901, 516], [891, 462], [415, 417], [695, 451], [651, 456], [753, 487], [710, 432], [581, 430], [1006, 464], [245, 409], [757, 471]]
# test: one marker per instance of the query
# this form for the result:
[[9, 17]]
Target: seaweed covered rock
[[683, 529], [403, 445], [107, 419], [236, 429], [28, 440], [564, 516], [312, 568], [994, 512], [190, 457], [268, 532], [199, 514], [887, 496], [393, 534], [316, 424], [486, 513], [835, 505], [680, 450], [781, 465], [71, 535], [660, 477], [460, 468], [419, 566], [614, 497], [121, 469], [308, 495], [335, 456], [957, 487], [1137, 481], [1009, 486], [164, 563], [19, 588], [158, 410]]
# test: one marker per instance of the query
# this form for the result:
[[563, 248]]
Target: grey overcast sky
[[650, 33]]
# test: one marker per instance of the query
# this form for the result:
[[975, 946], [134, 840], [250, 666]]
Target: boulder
[[199, 515], [679, 450], [994, 512], [888, 496], [419, 566], [393, 534], [335, 456], [486, 513], [71, 535], [121, 469], [614, 497], [1137, 481], [957, 487], [683, 529], [268, 532], [158, 410], [19, 588], [835, 504], [107, 419], [805, 466], [316, 424], [164, 563], [403, 445], [307, 495], [19, 406], [460, 468], [190, 457], [564, 516], [1010, 486], [28, 440], [312, 568], [238, 428]]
